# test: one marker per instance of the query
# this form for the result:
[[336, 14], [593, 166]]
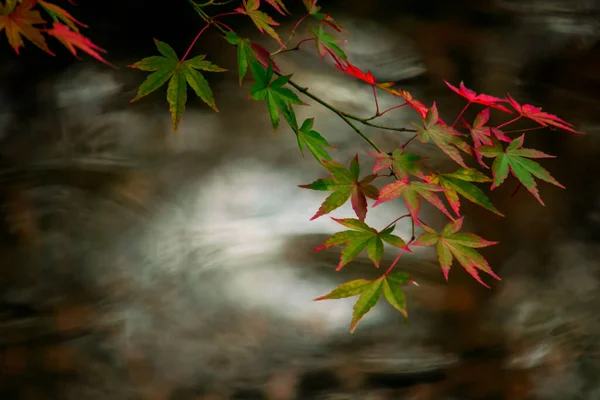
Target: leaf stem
[[385, 111], [525, 130], [298, 24], [461, 113], [509, 122], [194, 42], [408, 141], [226, 14], [297, 47], [404, 249], [339, 113], [224, 25], [376, 101], [394, 221]]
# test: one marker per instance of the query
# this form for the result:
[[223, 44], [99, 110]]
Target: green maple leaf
[[517, 160], [278, 98], [400, 162], [345, 184], [450, 244], [361, 237], [168, 67], [325, 41], [312, 140], [262, 21], [413, 193], [443, 136], [459, 182], [370, 293], [245, 55]]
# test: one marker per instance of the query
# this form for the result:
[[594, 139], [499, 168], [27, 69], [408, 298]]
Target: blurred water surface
[[143, 264]]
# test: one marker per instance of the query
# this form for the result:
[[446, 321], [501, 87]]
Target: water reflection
[[143, 264]]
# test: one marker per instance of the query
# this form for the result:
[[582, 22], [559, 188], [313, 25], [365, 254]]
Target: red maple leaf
[[536, 114], [415, 104], [482, 135], [356, 72], [71, 39], [484, 99]]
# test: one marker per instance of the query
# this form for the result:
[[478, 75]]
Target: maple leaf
[[361, 237], [450, 244], [279, 6], [326, 42], [312, 140], [262, 21], [446, 138], [313, 9], [357, 73], [536, 114], [57, 12], [482, 135], [413, 193], [345, 184], [19, 22], [370, 293], [168, 67], [263, 56], [408, 98], [459, 182], [484, 99], [248, 54], [71, 39], [516, 159], [401, 163], [278, 98]]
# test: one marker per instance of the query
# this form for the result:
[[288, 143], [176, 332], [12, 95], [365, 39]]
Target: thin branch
[[376, 101], [339, 113], [297, 47], [385, 111], [408, 141]]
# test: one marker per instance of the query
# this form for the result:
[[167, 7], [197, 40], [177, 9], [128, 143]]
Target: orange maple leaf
[[71, 40], [20, 22]]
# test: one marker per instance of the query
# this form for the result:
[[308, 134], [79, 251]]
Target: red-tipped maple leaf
[[279, 6], [412, 103], [484, 99], [262, 21], [313, 9], [536, 114], [71, 40], [400, 162], [20, 22], [413, 193], [360, 237], [516, 159], [459, 182], [57, 12], [356, 72], [345, 184], [482, 135], [450, 244], [444, 136]]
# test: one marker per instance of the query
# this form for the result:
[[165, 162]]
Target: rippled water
[[139, 263]]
